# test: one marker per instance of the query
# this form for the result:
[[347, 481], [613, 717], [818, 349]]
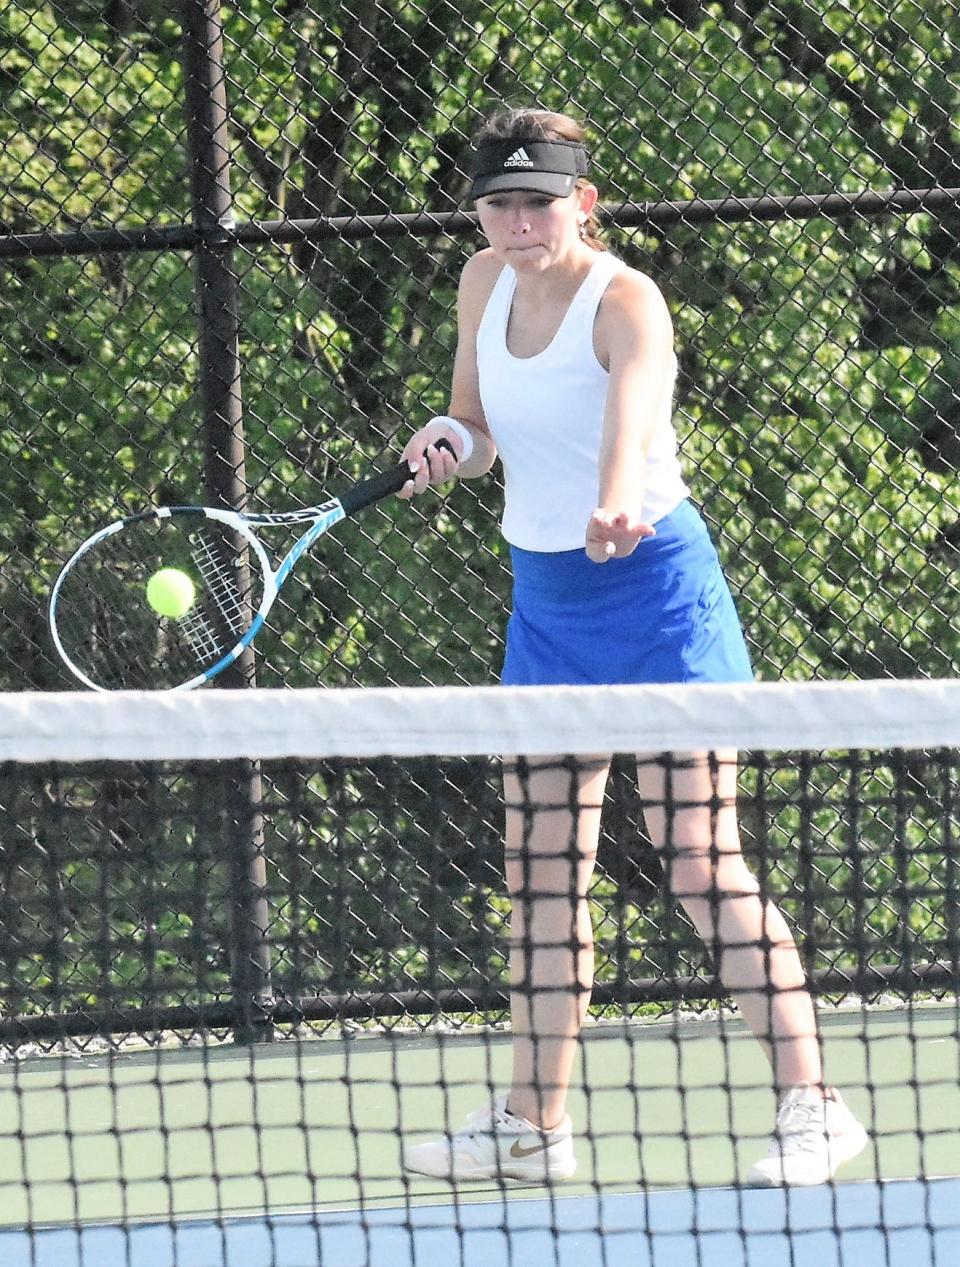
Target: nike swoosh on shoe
[[517, 1150]]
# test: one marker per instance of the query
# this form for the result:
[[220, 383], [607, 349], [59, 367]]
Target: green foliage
[[817, 404], [388, 876]]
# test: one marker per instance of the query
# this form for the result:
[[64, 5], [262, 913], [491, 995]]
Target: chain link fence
[[230, 249], [384, 900], [818, 391]]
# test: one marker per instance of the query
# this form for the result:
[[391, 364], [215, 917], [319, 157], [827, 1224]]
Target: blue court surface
[[897, 1224]]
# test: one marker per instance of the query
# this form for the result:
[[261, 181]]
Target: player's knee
[[696, 873]]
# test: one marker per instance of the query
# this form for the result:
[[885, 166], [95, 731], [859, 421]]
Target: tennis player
[[565, 368]]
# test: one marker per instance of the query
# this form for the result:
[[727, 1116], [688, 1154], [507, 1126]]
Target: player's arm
[[466, 408], [637, 334]]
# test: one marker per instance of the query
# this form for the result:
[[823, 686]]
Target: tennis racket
[[110, 637]]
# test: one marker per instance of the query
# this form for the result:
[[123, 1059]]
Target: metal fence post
[[225, 478]]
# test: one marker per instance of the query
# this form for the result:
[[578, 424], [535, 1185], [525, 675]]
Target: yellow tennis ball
[[170, 592]]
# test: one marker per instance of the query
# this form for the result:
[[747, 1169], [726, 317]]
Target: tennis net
[[264, 954]]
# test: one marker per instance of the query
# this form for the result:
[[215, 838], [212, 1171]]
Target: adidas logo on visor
[[519, 158]]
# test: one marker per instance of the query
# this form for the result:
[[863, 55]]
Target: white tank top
[[545, 414]]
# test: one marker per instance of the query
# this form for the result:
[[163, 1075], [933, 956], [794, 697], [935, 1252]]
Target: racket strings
[[200, 636], [112, 635], [221, 587]]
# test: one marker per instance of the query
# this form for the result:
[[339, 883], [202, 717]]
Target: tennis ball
[[170, 592]]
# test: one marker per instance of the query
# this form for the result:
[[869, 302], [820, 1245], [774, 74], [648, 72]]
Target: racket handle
[[373, 490]]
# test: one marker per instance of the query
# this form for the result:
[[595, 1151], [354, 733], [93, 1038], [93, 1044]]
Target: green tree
[[818, 379], [817, 404]]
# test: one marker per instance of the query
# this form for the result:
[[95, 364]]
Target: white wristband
[[462, 431]]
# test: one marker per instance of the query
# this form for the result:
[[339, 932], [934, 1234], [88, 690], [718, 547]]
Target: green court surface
[[317, 1124]]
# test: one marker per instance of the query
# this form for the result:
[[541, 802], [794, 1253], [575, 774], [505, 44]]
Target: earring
[[583, 226]]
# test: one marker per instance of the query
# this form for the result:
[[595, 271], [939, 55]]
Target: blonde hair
[[528, 123]]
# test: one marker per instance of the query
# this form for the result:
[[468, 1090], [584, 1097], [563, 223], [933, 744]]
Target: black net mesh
[[230, 245], [384, 888], [273, 1010], [333, 1009]]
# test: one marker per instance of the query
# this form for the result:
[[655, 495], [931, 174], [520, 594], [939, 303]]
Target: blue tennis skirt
[[663, 614]]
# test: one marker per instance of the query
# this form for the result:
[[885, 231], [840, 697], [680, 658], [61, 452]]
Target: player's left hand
[[614, 535]]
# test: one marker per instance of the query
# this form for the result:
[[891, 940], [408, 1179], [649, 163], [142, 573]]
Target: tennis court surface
[[254, 943]]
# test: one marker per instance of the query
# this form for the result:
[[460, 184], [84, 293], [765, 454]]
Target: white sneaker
[[493, 1144], [812, 1137]]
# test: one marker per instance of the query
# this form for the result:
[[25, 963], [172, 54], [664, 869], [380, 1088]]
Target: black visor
[[542, 167]]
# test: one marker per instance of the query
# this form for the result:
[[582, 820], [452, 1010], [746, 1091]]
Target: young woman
[[565, 367]]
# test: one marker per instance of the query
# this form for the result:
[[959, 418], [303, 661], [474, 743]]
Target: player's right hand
[[428, 464]]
